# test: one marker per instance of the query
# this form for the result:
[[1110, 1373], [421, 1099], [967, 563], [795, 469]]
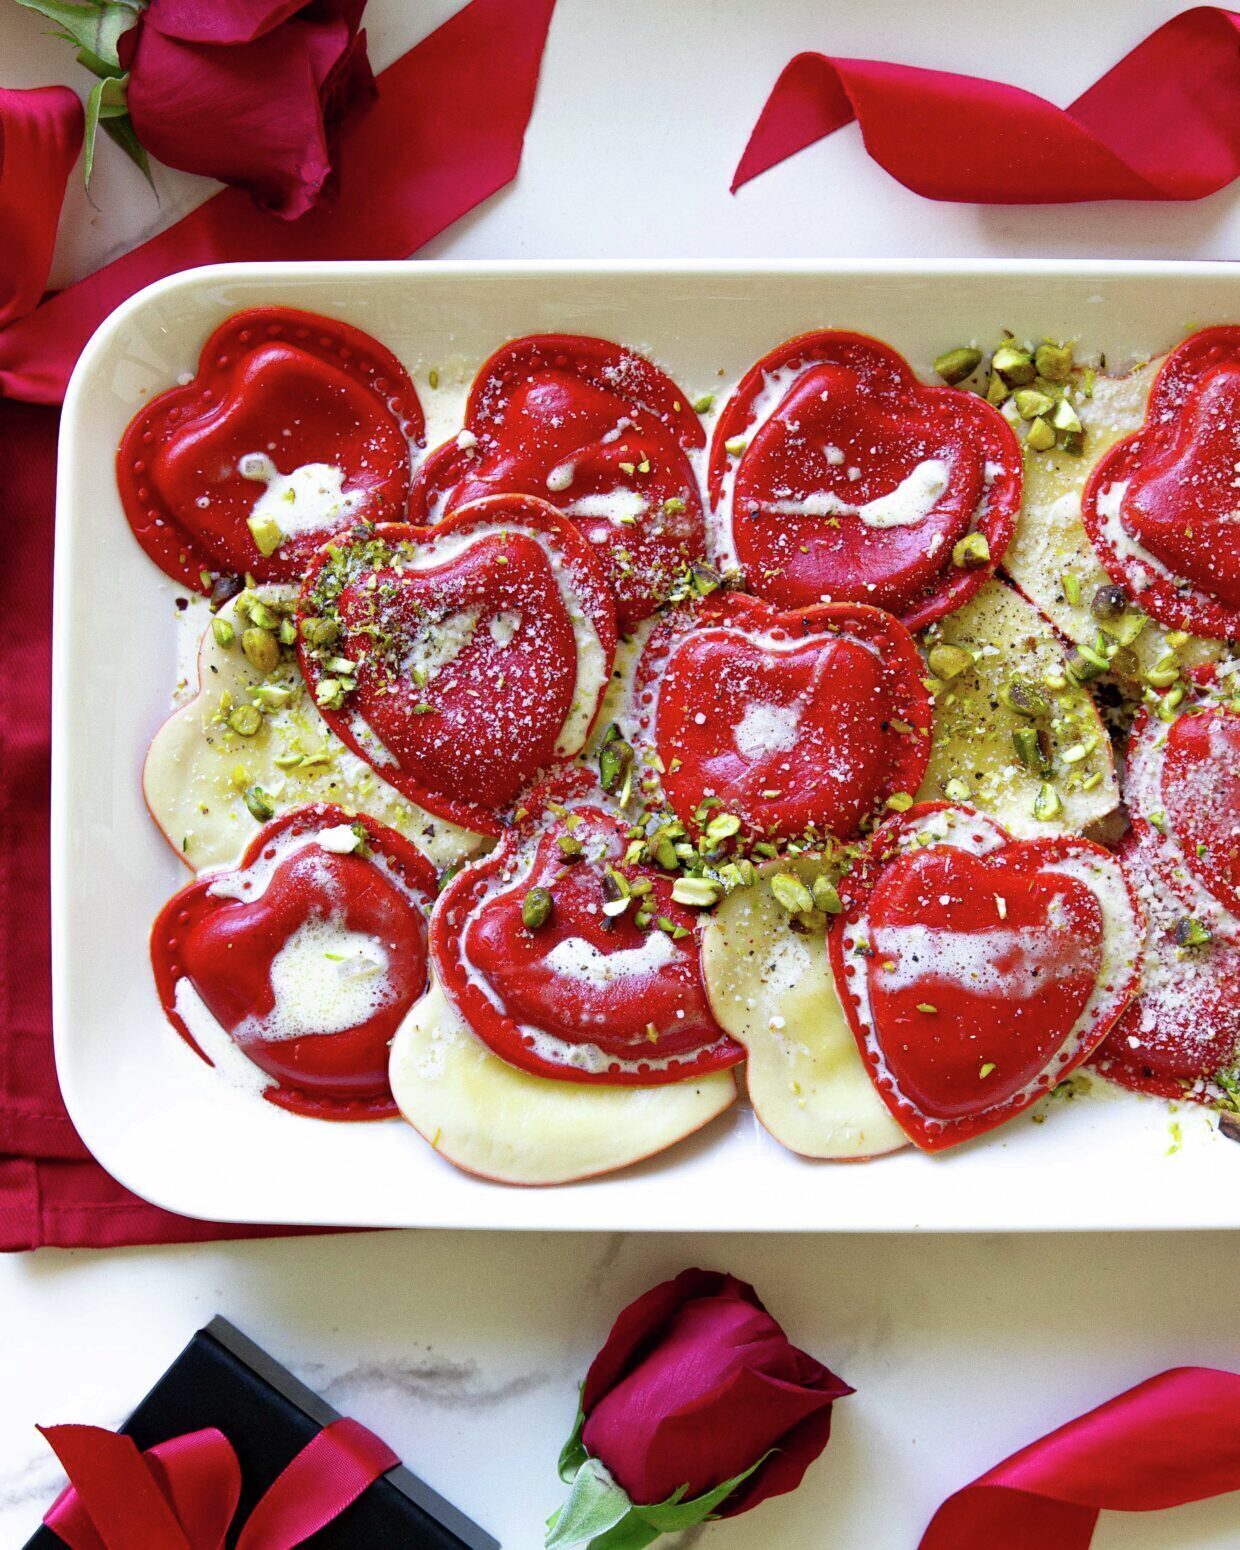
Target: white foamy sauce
[[910, 503], [576, 959], [1017, 965], [620, 506], [767, 728], [232, 1064], [439, 643], [308, 500], [326, 978]]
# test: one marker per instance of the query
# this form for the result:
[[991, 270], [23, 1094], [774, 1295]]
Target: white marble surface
[[464, 1350]]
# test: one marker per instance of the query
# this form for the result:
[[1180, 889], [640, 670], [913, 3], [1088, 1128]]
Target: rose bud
[[697, 1406], [247, 91]]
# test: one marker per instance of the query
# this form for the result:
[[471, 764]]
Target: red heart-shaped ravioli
[[598, 432], [607, 987], [295, 423], [802, 722], [1162, 508], [1181, 1030], [1184, 783], [461, 660], [307, 955], [844, 479], [977, 970]]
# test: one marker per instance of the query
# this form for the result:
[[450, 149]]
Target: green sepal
[[595, 1505], [121, 132], [107, 101], [95, 26], [599, 1515], [573, 1454]]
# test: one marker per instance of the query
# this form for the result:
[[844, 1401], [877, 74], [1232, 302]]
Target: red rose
[[695, 1384], [247, 91]]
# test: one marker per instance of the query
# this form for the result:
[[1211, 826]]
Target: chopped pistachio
[[1064, 418], [984, 1070], [1031, 404], [1029, 750], [703, 403], [571, 848], [536, 908], [262, 616], [1164, 672], [329, 694], [899, 802], [1072, 589], [266, 534], [223, 632], [1126, 630], [1054, 361], [949, 661], [1047, 805], [259, 804], [1041, 436], [955, 365], [792, 893], [928, 1007], [1021, 696], [319, 633], [261, 650], [615, 760], [722, 827], [1085, 663], [971, 552], [700, 892], [246, 720], [826, 896], [735, 445], [957, 790], [1109, 601], [1014, 365], [673, 504], [1191, 933], [1177, 638], [273, 696], [287, 633]]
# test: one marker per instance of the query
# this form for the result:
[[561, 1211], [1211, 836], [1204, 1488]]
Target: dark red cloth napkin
[[1164, 123], [445, 133], [1173, 1439]]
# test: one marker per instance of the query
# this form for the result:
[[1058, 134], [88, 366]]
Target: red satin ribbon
[[182, 1494], [1173, 1439], [445, 133], [1164, 123]]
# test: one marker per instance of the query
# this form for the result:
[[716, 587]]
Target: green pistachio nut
[[956, 365]]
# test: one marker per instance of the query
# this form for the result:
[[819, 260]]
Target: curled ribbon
[[182, 1494], [1171, 1440], [1164, 123]]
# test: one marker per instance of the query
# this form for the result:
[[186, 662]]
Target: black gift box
[[222, 1379]]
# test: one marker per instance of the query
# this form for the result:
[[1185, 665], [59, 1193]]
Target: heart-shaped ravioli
[[977, 971], [1184, 783], [570, 962], [295, 427], [844, 479], [463, 659], [599, 432], [792, 723], [295, 969], [1162, 509], [1179, 1036]]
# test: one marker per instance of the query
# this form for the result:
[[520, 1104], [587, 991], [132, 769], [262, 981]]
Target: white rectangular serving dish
[[167, 1126]]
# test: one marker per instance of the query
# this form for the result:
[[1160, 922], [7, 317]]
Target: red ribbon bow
[[182, 1494]]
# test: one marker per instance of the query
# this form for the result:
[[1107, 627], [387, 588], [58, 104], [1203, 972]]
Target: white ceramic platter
[[166, 1125]]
